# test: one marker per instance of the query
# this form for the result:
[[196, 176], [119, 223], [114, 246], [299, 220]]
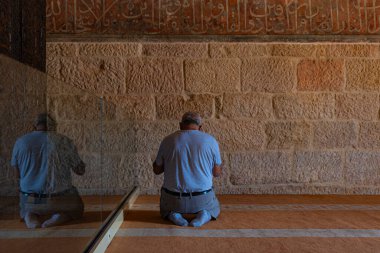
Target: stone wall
[[26, 92], [22, 97], [290, 118]]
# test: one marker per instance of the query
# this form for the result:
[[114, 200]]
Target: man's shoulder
[[27, 136], [202, 137], [172, 135], [56, 135], [194, 135], [206, 136]]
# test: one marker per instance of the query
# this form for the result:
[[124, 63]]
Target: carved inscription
[[214, 17]]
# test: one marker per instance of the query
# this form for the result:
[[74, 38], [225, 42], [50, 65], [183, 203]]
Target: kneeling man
[[44, 160], [189, 158]]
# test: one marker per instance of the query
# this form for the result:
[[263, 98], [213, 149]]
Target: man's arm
[[80, 169], [158, 169], [217, 171], [17, 174]]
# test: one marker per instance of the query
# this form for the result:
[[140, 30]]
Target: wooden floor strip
[[249, 233], [289, 207], [46, 233]]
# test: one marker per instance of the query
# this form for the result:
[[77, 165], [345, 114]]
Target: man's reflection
[[44, 160]]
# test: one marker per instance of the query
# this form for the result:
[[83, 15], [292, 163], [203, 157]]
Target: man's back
[[30, 156], [189, 157], [44, 160]]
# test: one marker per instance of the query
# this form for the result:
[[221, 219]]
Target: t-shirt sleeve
[[14, 161], [217, 157], [160, 155]]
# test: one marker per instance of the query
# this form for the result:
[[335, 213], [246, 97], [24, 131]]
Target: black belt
[[186, 194], [43, 195]]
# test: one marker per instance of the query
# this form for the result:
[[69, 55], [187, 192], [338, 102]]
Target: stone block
[[113, 137], [329, 135], [158, 182], [147, 137], [53, 67], [362, 168], [237, 135], [107, 49], [10, 133], [31, 82], [55, 87], [318, 167], [102, 172], [218, 106], [111, 168], [285, 135], [16, 77], [288, 189], [61, 49], [81, 107], [137, 170], [304, 106], [5, 114], [268, 75], [132, 107], [212, 75], [22, 107], [75, 131], [357, 106], [293, 49], [8, 71], [260, 168], [345, 50], [154, 76], [127, 137], [94, 75], [251, 105], [369, 135], [363, 75], [320, 75], [377, 51], [362, 190], [238, 50], [172, 107], [178, 50]]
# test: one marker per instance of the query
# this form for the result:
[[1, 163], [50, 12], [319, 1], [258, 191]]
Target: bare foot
[[32, 221], [55, 220]]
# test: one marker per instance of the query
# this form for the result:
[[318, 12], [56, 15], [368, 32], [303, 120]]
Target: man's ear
[[200, 128]]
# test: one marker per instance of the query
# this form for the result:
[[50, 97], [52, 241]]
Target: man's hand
[[217, 171], [158, 169], [80, 169]]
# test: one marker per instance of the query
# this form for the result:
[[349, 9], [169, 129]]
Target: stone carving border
[[213, 17]]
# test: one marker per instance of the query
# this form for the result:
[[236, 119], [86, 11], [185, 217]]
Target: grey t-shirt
[[188, 157], [45, 160]]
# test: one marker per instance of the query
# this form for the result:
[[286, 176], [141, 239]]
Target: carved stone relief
[[214, 17]]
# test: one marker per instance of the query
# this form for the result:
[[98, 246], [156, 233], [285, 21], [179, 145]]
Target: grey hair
[[191, 118]]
